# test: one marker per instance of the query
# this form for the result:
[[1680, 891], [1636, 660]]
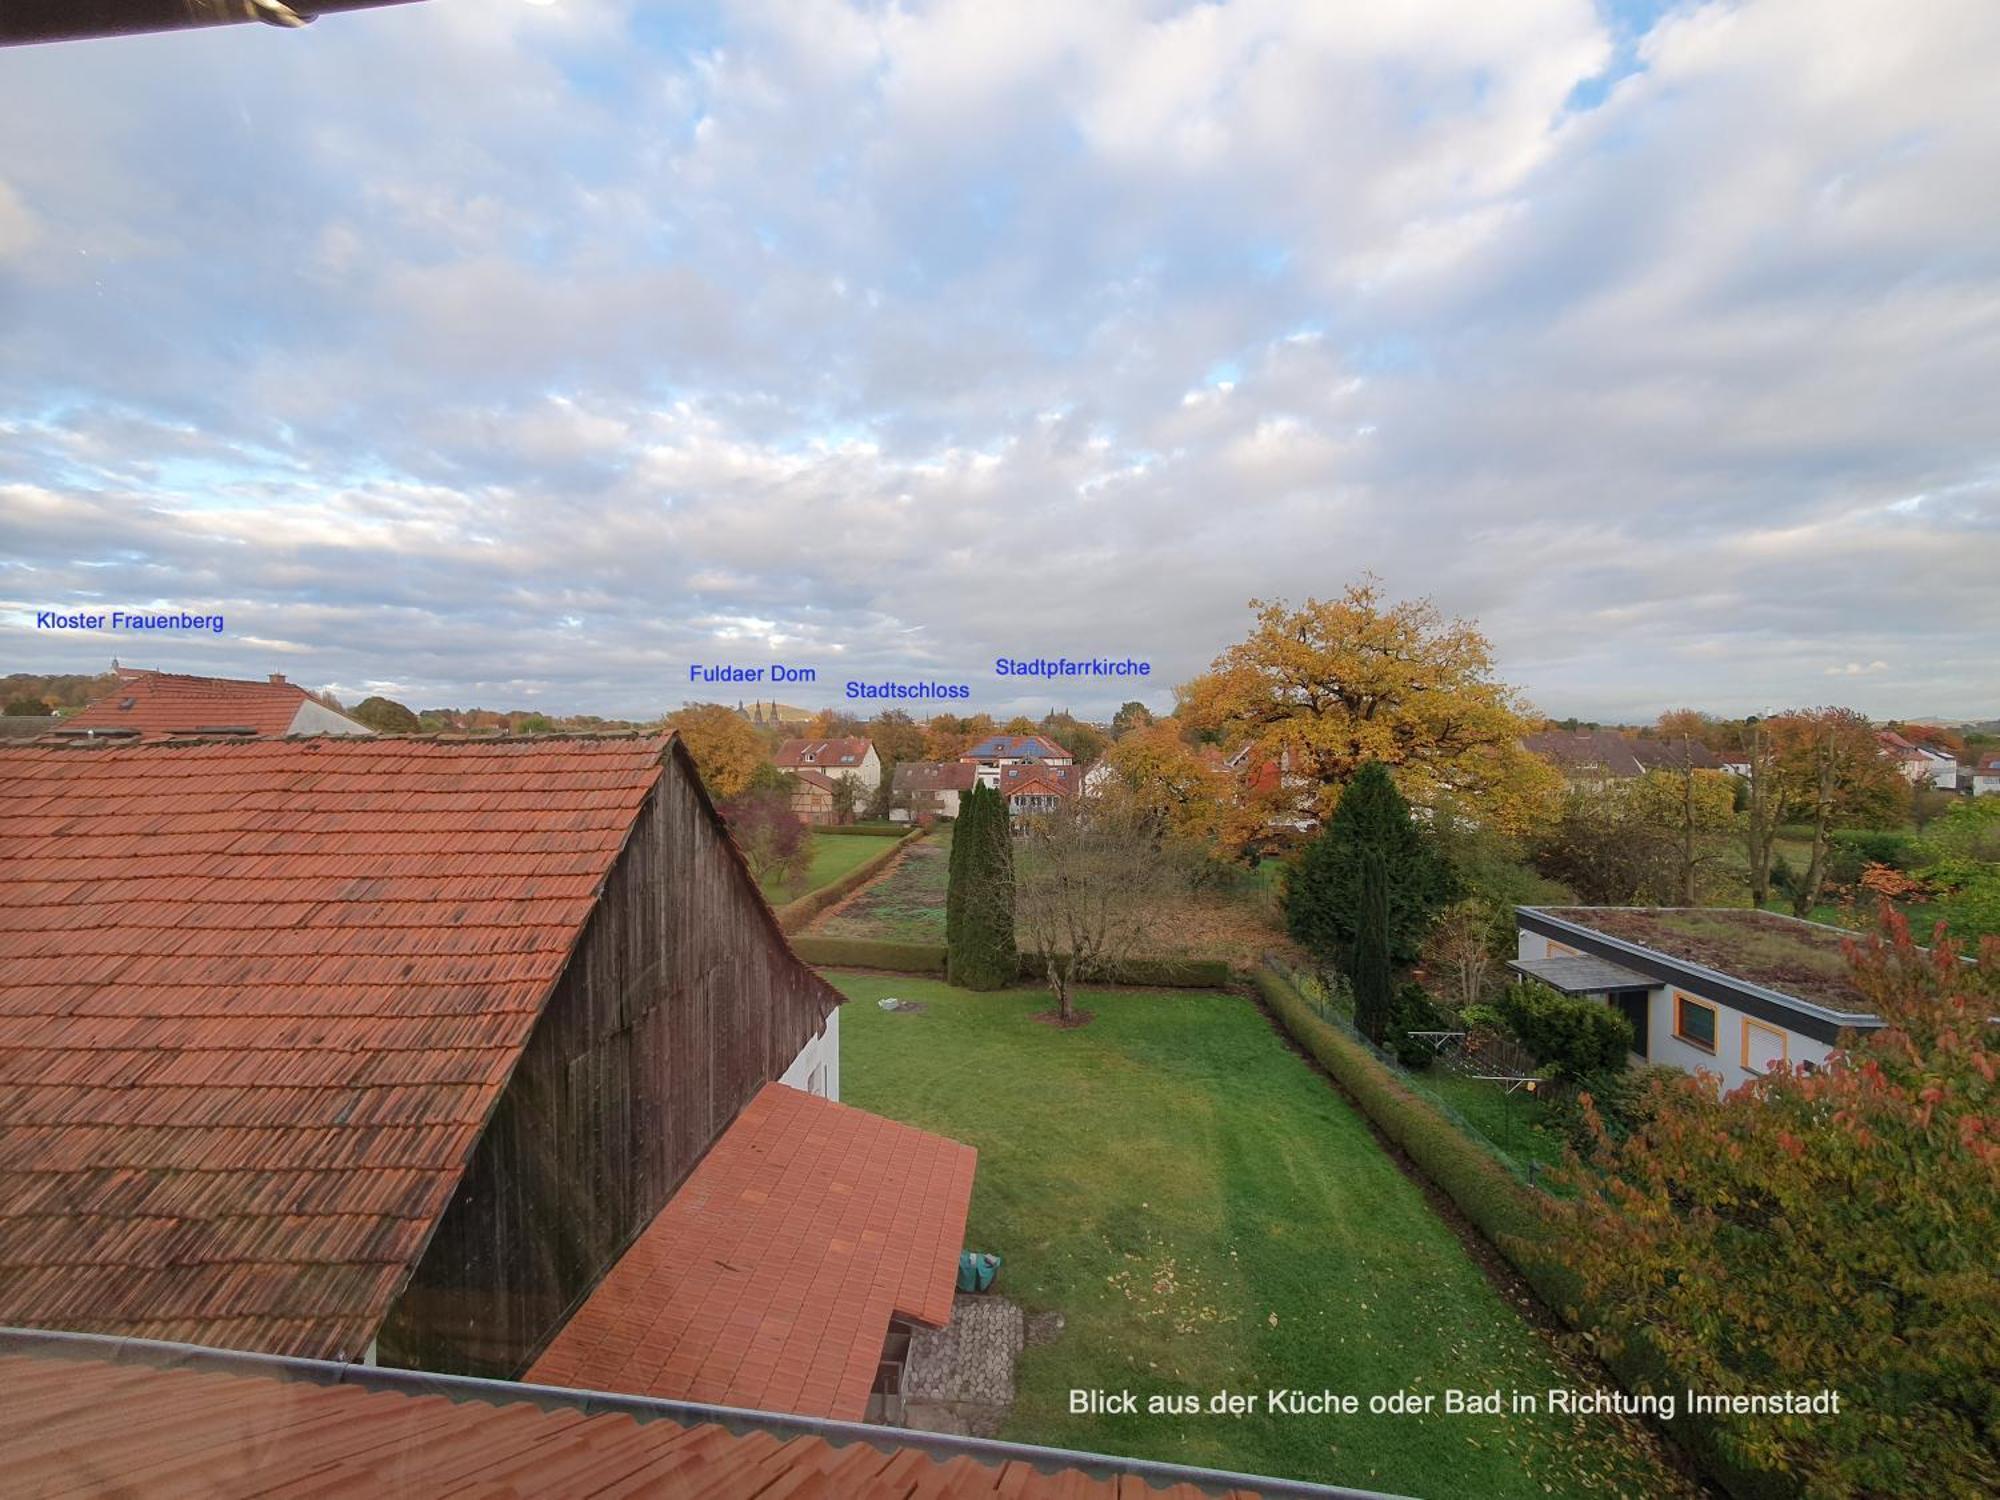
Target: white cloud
[[932, 331]]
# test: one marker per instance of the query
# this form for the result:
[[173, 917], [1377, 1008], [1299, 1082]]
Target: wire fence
[[1488, 1086]]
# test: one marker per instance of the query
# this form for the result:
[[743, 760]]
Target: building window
[[1763, 1045], [1694, 1022]]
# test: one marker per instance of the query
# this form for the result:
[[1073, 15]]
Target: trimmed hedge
[[795, 914], [1485, 1191], [870, 953], [930, 958], [1167, 973], [1508, 1214], [866, 830]]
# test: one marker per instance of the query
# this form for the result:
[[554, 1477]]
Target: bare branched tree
[[1088, 879], [1459, 953]]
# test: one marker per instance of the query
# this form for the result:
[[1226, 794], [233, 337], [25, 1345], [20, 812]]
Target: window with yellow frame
[[1764, 1045], [1694, 1021]]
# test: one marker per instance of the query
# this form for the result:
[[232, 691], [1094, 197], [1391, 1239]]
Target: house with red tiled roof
[[997, 751], [852, 757], [1986, 777], [1037, 786], [1921, 765], [921, 788], [161, 705], [359, 1048], [812, 797], [87, 1415]]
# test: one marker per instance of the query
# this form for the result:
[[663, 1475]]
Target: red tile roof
[[256, 1001], [770, 1279], [157, 1419], [935, 776], [157, 704], [824, 754]]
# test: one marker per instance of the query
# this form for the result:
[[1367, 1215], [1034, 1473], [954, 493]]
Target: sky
[[511, 354]]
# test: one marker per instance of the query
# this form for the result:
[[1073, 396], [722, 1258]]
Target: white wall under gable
[[317, 718], [816, 1069]]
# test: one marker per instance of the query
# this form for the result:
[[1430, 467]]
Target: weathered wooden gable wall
[[680, 1002]]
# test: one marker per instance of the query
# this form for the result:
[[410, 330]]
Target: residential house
[[359, 1048], [921, 789], [168, 705], [1037, 786], [98, 1416], [1595, 757], [1729, 990], [1920, 764], [854, 758], [812, 797], [996, 751], [1986, 777]]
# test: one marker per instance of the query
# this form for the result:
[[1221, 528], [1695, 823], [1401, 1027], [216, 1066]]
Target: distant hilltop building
[[775, 715], [166, 705]]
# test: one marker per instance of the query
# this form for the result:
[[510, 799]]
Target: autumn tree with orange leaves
[[1838, 1228], [1332, 685]]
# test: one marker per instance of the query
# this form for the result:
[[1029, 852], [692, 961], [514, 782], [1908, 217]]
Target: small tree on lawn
[[1323, 896], [1092, 877], [1827, 1228], [845, 795], [979, 905], [771, 836]]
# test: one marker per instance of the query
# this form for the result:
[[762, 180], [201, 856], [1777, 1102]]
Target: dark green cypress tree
[[1323, 895], [954, 891], [982, 955], [1374, 985]]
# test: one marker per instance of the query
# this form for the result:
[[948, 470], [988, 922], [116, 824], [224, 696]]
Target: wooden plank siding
[[679, 1003]]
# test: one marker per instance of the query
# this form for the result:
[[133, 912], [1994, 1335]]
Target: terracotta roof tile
[[835, 754], [770, 1279], [158, 704], [256, 1000], [73, 1423]]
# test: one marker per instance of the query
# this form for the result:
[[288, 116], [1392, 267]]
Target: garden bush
[[1414, 1010], [1573, 1036], [1854, 849]]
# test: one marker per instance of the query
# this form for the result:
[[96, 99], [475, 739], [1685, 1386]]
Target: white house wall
[[816, 1069], [1740, 1050], [317, 718]]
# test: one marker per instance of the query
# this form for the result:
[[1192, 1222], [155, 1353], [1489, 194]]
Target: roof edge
[[1858, 1020], [156, 1354]]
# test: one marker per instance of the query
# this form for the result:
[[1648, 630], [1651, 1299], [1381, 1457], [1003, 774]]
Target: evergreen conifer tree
[[1323, 895], [979, 905], [1374, 985]]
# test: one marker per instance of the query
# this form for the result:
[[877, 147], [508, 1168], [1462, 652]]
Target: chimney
[[277, 679]]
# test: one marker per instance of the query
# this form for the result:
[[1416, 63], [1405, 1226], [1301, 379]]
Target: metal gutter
[[157, 1354]]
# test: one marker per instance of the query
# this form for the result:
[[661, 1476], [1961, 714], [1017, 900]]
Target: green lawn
[[1207, 1213], [833, 855]]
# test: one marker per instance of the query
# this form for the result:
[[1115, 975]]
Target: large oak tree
[[1328, 687]]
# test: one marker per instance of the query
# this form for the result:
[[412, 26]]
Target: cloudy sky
[[518, 354]]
